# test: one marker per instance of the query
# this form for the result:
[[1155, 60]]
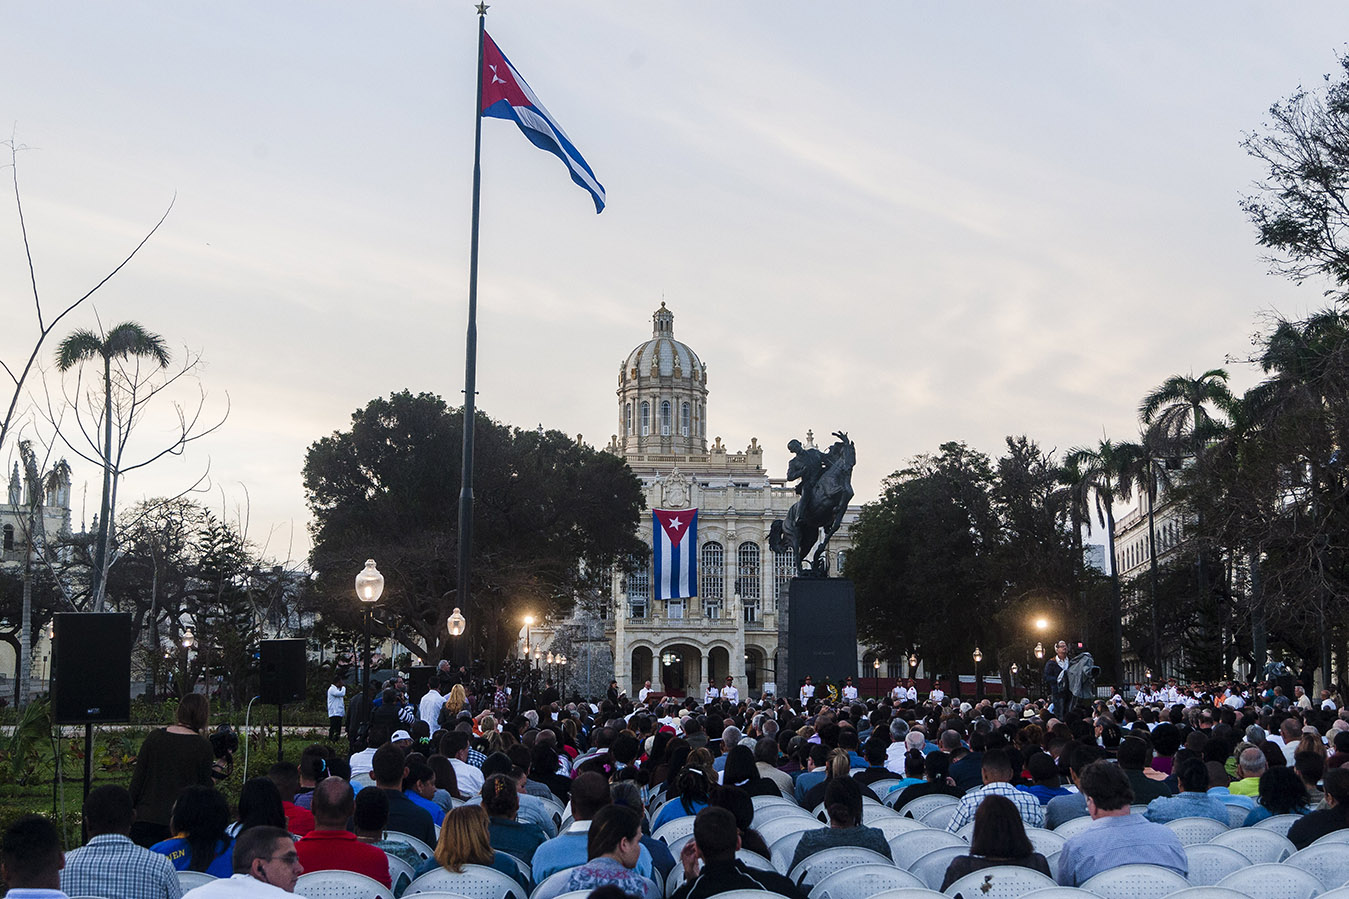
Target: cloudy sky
[[916, 222]]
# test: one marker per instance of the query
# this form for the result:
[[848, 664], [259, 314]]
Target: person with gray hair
[[1251, 764], [729, 737]]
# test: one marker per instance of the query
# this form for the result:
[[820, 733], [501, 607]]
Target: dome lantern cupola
[[662, 393]]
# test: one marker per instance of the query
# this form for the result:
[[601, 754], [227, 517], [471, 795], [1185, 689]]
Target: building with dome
[[732, 626]]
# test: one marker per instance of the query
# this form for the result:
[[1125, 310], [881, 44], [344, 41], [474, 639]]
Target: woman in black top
[[742, 772], [170, 759], [999, 839]]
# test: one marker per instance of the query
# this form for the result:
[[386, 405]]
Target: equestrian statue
[[825, 489]]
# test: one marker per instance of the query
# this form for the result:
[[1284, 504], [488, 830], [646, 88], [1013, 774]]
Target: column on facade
[[767, 574], [620, 632], [737, 660], [656, 683], [731, 561], [703, 662]]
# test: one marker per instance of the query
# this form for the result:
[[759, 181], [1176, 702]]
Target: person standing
[[337, 704], [1056, 678], [712, 694], [807, 692], [849, 691], [643, 693], [729, 692], [431, 703], [170, 759]]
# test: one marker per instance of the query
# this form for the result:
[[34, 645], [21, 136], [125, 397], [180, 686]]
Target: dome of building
[[663, 351]]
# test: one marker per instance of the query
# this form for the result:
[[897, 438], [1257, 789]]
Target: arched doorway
[[640, 671], [718, 665], [680, 669], [754, 669]]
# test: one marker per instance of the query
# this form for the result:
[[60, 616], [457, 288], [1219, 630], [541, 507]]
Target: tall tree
[[1103, 470], [552, 515], [125, 341], [38, 485]]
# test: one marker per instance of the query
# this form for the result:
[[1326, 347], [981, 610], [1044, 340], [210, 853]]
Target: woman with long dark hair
[[170, 759], [199, 819], [742, 772], [999, 839], [613, 846], [1282, 792], [259, 803], [691, 794], [843, 805]]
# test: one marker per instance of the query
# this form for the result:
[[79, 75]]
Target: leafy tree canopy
[[552, 515]]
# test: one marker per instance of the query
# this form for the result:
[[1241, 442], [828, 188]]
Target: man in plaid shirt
[[110, 865], [997, 773], [501, 700]]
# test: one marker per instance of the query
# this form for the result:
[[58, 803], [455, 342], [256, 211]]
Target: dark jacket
[[406, 816], [722, 877], [1145, 788]]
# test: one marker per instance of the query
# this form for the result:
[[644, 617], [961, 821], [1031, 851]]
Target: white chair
[[1195, 830], [818, 813], [1329, 863], [1279, 823], [526, 872], [916, 808], [1340, 893], [749, 859], [1273, 881], [873, 812], [750, 894], [907, 893], [895, 825], [776, 827], [863, 880], [556, 883], [764, 802], [907, 848], [1073, 826], [1135, 882], [1137, 809], [678, 829], [1260, 846], [1045, 842], [192, 879], [931, 868], [819, 865], [999, 882], [1210, 863], [1207, 892], [398, 867], [437, 894], [423, 850], [966, 833], [939, 817], [476, 882], [1063, 893], [1335, 836], [1236, 814], [883, 787], [784, 850], [340, 885], [574, 894]]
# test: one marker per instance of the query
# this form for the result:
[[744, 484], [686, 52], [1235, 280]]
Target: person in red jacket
[[286, 776], [330, 846]]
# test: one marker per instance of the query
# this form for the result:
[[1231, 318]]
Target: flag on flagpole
[[505, 95], [674, 540]]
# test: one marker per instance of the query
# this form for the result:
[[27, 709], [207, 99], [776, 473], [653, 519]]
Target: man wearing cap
[[849, 691], [730, 693], [807, 692]]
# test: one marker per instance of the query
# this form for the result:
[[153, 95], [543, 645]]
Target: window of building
[[684, 420], [646, 418], [665, 418], [747, 582], [639, 590], [627, 419], [712, 578], [9, 537], [892, 669], [842, 558], [784, 569], [674, 608]]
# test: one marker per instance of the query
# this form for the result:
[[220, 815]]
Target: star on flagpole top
[[482, 9]]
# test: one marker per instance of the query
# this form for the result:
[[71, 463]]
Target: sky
[[915, 222]]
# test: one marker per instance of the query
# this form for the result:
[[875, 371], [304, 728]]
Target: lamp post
[[1040, 656], [562, 661], [369, 588], [876, 676], [189, 682], [1013, 671], [978, 681], [455, 624]]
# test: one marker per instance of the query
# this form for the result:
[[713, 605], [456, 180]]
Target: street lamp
[[1039, 650], [456, 624], [913, 663], [1013, 670], [369, 588], [876, 675], [978, 681], [1041, 623]]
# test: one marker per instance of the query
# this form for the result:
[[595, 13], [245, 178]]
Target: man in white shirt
[[729, 692], [911, 693], [469, 776], [938, 695], [337, 706], [265, 865], [643, 693], [1328, 702], [807, 691], [849, 691], [429, 708]]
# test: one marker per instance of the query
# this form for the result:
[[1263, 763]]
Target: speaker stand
[[88, 757]]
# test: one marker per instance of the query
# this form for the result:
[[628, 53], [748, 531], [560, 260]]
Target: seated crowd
[[488, 789]]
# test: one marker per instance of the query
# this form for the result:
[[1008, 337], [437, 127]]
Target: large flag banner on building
[[505, 95], [674, 540]]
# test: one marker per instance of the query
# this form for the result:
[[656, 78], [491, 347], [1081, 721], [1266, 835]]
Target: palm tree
[[125, 341], [1103, 473], [1185, 411], [40, 486]]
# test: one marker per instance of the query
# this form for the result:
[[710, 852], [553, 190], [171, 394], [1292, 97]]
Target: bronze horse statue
[[826, 490]]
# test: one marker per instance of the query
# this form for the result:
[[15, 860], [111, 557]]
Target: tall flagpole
[[471, 352]]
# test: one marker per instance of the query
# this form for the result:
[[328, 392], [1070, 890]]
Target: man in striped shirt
[[110, 865], [997, 775]]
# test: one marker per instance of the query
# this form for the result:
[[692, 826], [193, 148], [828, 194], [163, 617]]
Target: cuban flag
[[505, 95], [674, 540]]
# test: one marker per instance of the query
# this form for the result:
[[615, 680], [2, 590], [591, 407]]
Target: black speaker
[[91, 667], [417, 679], [282, 671]]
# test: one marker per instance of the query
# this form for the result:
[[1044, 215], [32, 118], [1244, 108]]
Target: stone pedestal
[[821, 626]]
